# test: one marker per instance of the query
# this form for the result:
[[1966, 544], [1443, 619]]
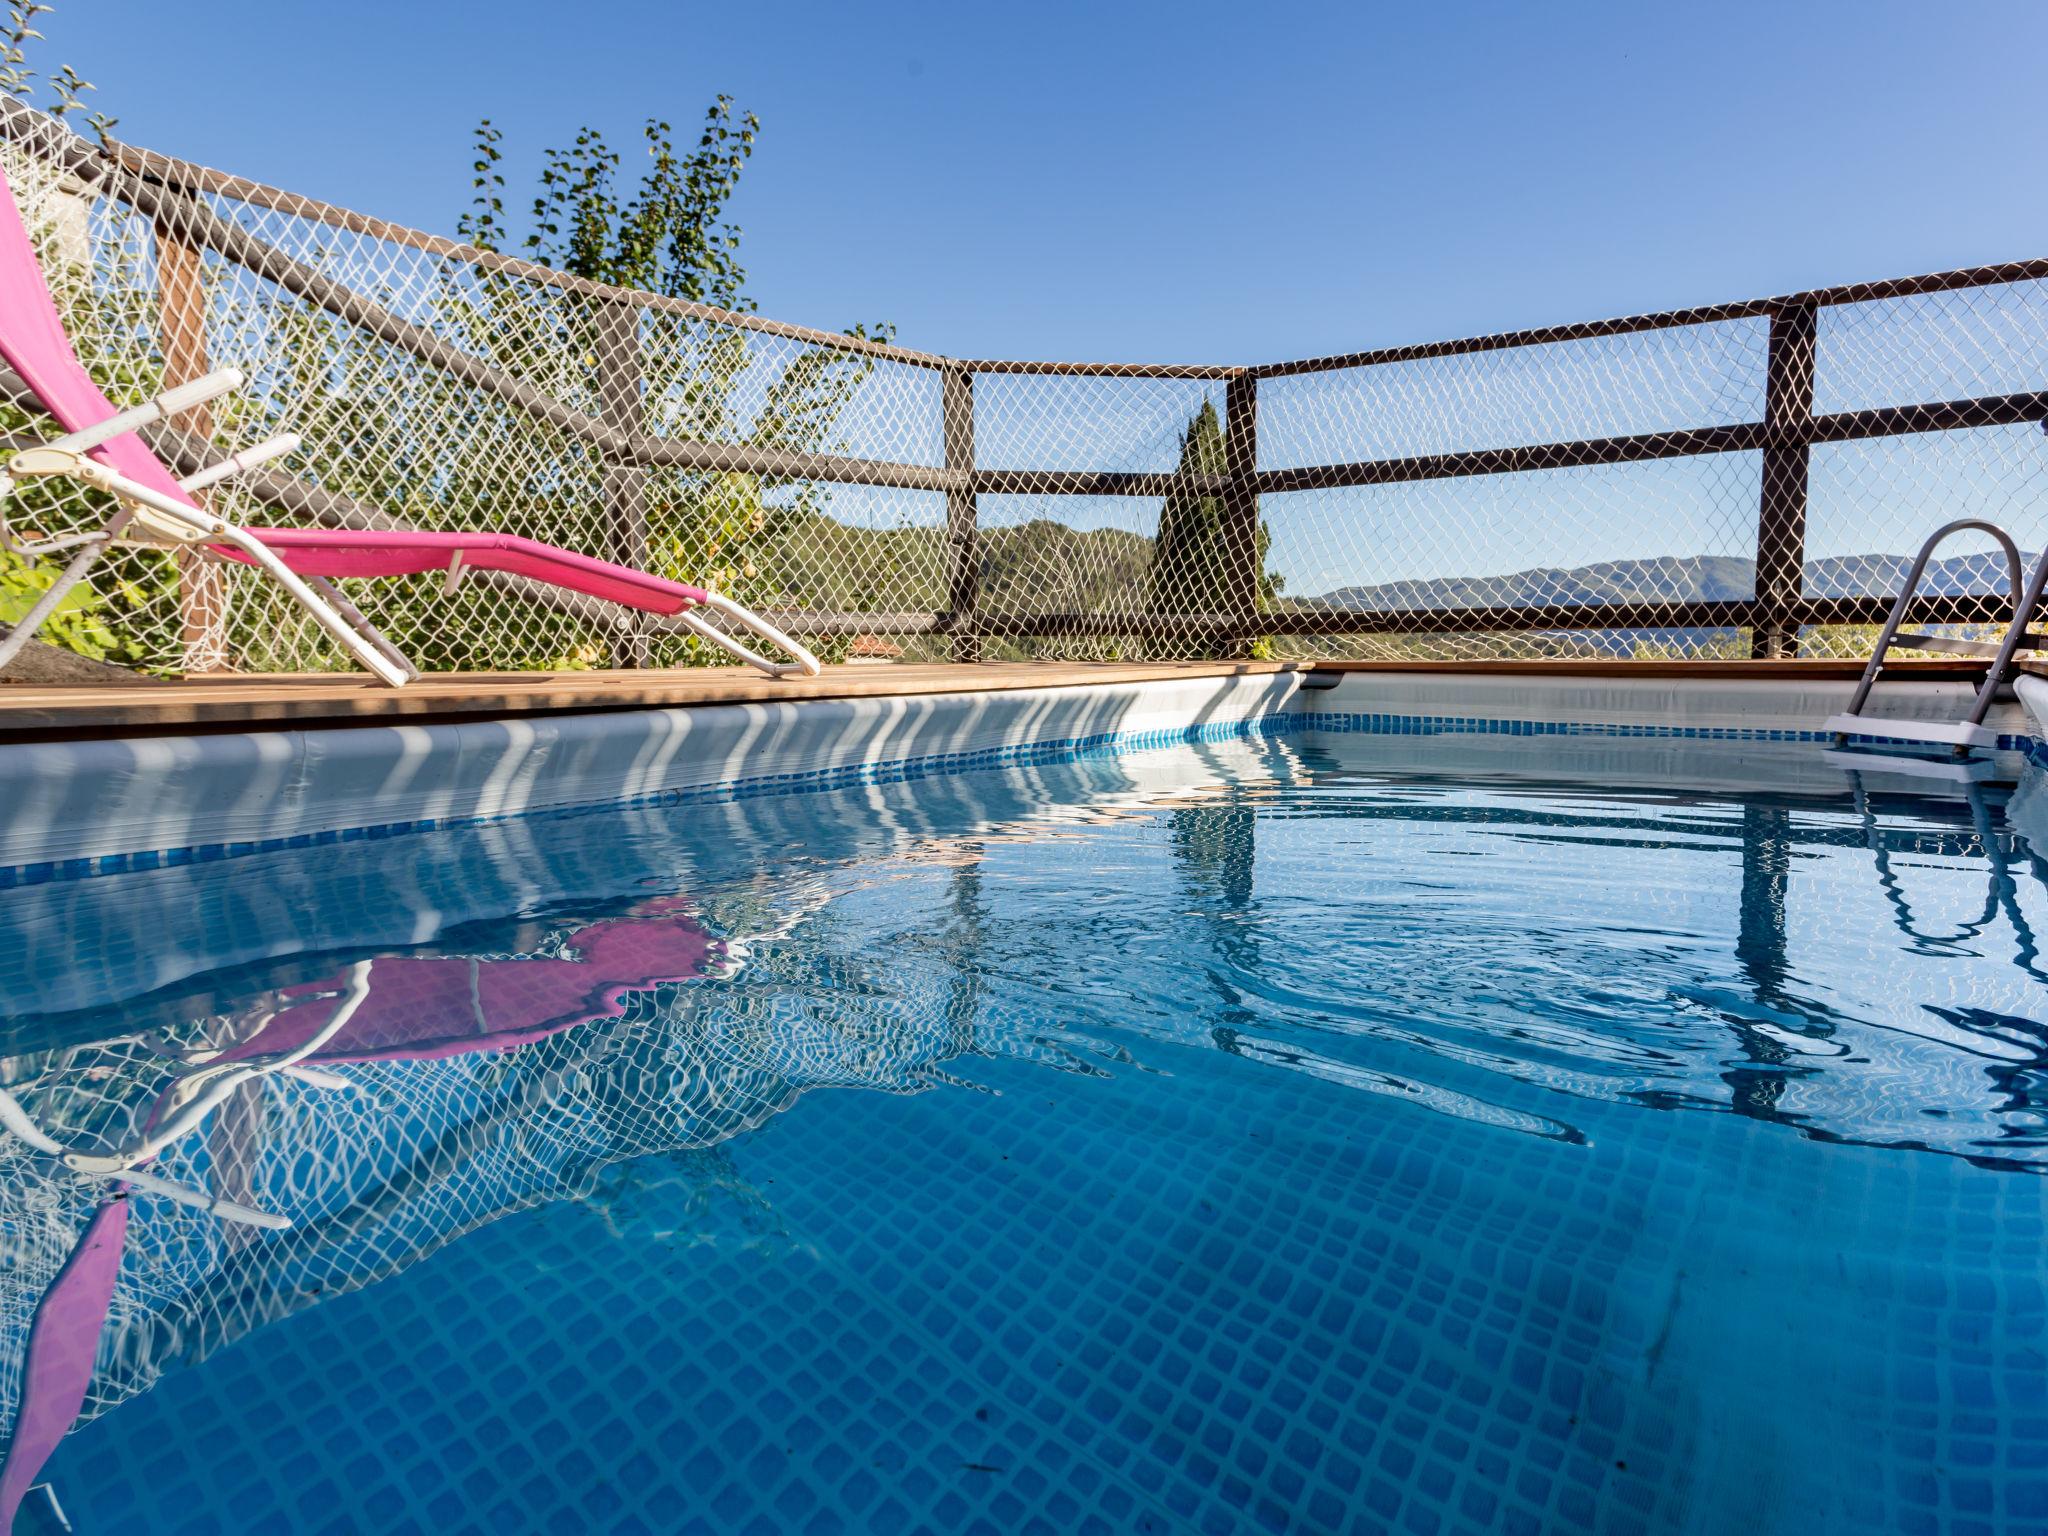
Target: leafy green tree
[[670, 235], [17, 79]]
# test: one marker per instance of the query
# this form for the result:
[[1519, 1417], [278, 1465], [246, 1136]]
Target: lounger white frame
[[146, 517], [193, 1097]]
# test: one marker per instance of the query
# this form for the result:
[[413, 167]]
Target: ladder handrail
[[2022, 605], [2025, 606]]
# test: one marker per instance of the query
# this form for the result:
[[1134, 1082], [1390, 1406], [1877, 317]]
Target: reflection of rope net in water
[[377, 1163], [471, 1083]]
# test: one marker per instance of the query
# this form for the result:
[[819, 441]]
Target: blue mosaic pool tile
[[1143, 1334], [1350, 721]]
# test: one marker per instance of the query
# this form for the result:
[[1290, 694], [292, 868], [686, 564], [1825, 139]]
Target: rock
[[48, 664]]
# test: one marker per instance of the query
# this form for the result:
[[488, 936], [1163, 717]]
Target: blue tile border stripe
[[903, 770], [1477, 725]]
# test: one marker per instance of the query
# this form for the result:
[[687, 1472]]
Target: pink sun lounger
[[101, 448]]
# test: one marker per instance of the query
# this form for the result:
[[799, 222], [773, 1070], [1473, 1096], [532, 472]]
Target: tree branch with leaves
[[67, 88]]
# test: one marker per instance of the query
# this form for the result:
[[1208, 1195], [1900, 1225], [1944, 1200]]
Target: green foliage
[[77, 625], [407, 439], [484, 225], [111, 615], [1192, 563], [17, 79], [669, 235]]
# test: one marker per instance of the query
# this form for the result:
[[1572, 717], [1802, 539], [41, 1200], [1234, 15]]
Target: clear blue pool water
[[1330, 1133]]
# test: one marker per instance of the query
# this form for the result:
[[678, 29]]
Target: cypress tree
[[1194, 569], [1190, 560]]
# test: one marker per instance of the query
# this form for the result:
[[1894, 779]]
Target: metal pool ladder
[[1959, 736]]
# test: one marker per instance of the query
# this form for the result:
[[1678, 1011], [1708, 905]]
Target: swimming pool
[[1313, 1131]]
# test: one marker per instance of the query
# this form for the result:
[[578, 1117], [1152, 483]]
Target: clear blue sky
[[1185, 182]]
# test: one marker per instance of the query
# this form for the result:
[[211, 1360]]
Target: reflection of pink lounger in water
[[415, 1008], [63, 1348], [423, 1008]]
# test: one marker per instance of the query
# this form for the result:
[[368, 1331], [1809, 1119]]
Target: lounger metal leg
[[372, 656], [805, 664], [338, 600], [72, 574]]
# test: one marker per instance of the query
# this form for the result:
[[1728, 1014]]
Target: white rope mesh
[[1456, 501]]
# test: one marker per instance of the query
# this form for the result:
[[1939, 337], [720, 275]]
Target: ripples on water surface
[[1335, 1133]]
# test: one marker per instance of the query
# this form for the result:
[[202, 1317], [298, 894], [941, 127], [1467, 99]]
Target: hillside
[[1698, 578]]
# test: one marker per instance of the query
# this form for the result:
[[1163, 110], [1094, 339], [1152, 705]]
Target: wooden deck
[[1724, 670], [309, 701], [228, 703]]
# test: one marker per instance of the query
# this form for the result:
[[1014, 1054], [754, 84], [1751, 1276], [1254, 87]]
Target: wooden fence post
[[617, 351], [1781, 511], [181, 335], [963, 563], [1241, 505]]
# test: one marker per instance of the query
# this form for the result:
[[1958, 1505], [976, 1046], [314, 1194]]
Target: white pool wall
[[62, 802], [1685, 704], [68, 807]]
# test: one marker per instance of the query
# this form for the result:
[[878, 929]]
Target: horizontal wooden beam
[[1508, 617], [1169, 624], [1934, 416], [1970, 608], [200, 224], [1084, 482], [1674, 319], [1512, 618], [1839, 427], [817, 622], [1503, 461], [1537, 336], [1928, 282], [1104, 370], [185, 176]]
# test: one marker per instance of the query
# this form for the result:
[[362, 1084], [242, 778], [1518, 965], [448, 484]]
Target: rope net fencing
[[1750, 479]]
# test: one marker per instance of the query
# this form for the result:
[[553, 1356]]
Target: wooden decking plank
[[1808, 669], [293, 701], [224, 702]]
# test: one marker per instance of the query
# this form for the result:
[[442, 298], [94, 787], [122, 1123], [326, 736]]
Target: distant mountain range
[[1696, 578]]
